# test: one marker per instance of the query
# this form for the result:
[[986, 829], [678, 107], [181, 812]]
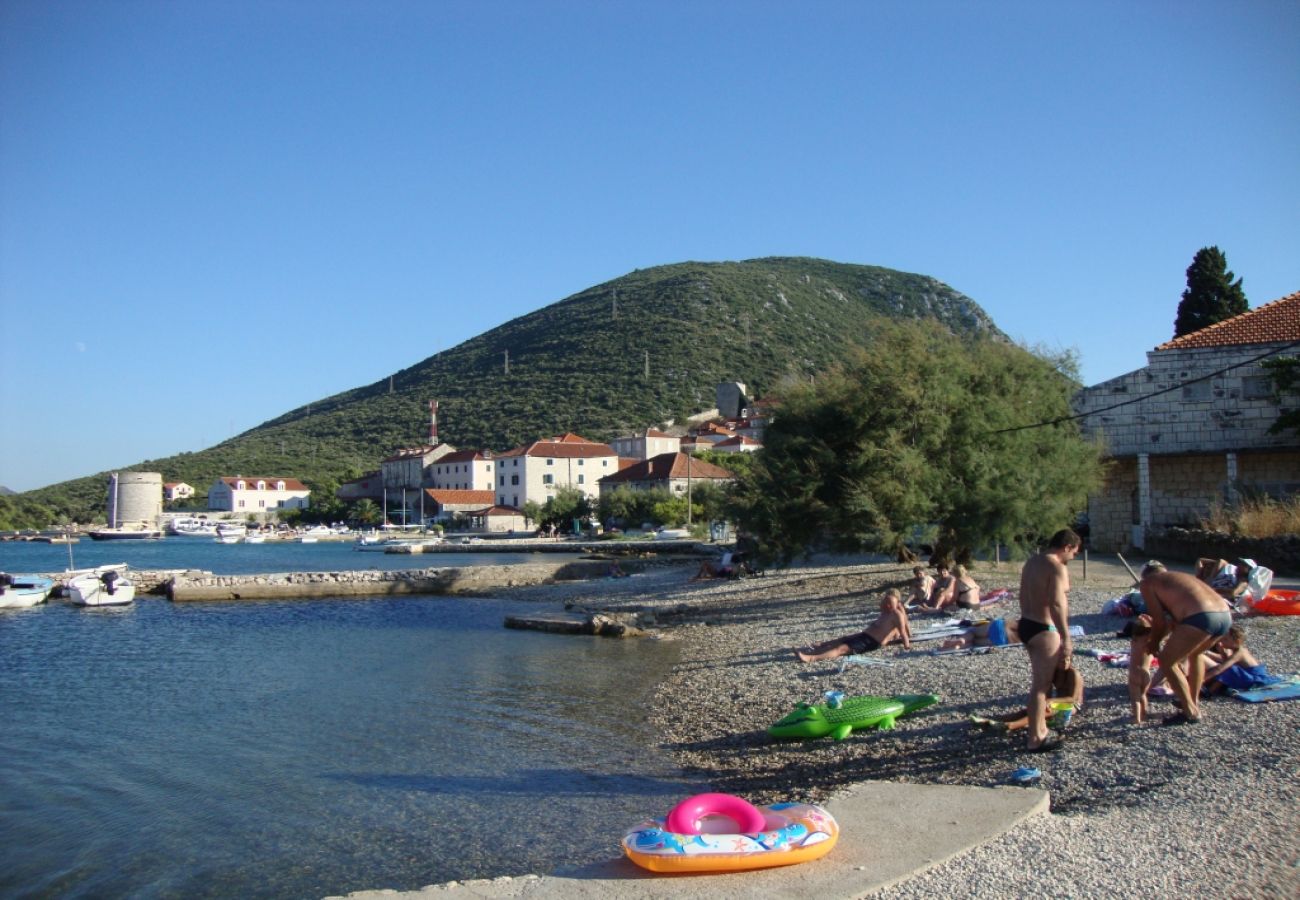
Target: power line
[[1167, 390]]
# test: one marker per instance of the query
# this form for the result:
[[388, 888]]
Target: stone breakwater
[[204, 586]]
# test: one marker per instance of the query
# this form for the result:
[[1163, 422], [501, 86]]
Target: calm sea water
[[312, 748], [238, 559]]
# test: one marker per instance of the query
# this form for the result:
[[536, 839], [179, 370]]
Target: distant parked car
[[672, 534]]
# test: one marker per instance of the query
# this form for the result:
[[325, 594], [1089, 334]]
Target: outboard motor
[[6, 581], [109, 580]]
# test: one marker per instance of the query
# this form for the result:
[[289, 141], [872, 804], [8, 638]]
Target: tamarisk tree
[[922, 432]]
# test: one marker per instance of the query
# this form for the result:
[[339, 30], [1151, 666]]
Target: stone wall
[[372, 583]]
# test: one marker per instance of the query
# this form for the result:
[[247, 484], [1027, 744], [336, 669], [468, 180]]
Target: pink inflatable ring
[[687, 817]]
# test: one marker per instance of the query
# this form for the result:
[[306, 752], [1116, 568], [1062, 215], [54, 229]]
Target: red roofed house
[[737, 444], [668, 470], [1191, 428], [258, 495], [497, 520], [464, 470], [534, 471], [445, 503], [177, 490]]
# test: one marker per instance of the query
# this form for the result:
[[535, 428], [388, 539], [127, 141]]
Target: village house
[[737, 444], [463, 470], [444, 504], [177, 490], [535, 471], [257, 495], [645, 444], [368, 487], [1191, 428], [497, 520], [411, 467], [673, 471]]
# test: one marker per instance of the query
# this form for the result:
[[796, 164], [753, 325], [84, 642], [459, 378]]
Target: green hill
[[579, 365]]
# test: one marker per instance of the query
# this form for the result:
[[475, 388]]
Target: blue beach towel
[[1284, 690]]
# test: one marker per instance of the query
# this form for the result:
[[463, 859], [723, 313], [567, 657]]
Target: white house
[[257, 495], [177, 490], [737, 444], [645, 444], [463, 470], [535, 471]]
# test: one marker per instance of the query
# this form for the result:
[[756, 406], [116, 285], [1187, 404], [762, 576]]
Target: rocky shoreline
[[1206, 809]]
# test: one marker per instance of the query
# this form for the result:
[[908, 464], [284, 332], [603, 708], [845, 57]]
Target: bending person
[[890, 626], [1194, 617]]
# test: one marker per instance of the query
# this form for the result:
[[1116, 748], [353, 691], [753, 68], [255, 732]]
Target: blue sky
[[214, 212]]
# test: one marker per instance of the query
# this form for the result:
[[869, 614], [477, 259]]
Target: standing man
[[1045, 629], [1194, 616]]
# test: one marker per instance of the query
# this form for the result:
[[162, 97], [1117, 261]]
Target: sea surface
[[270, 749], [239, 559]]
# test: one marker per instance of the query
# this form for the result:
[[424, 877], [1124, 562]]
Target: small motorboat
[[105, 586], [21, 591]]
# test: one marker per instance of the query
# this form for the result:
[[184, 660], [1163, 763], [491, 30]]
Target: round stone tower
[[135, 498]]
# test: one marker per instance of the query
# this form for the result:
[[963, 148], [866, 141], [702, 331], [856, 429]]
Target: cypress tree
[[1211, 294]]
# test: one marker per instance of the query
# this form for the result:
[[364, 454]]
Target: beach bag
[[1259, 581]]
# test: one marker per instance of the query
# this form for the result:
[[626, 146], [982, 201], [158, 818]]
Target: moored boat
[[21, 591], [125, 534], [104, 586]]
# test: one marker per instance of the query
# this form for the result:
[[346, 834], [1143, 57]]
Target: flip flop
[[1180, 718], [1050, 744]]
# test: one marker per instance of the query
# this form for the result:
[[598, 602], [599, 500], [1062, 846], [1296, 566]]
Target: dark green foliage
[[1211, 295], [575, 366], [1285, 372], [911, 435]]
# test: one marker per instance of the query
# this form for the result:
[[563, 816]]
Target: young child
[[1233, 667], [921, 585], [1139, 668]]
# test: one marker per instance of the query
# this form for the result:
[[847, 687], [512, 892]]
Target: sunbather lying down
[[1067, 684], [994, 633], [890, 626]]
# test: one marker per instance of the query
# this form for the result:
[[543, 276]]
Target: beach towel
[[995, 596], [861, 659], [1284, 690]]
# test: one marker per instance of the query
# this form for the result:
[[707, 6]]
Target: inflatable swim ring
[[1277, 603], [716, 841], [807, 721]]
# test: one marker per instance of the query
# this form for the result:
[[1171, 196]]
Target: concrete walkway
[[888, 832]]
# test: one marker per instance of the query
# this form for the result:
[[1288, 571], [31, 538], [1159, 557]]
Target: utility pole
[[507, 362], [647, 364], [615, 307], [688, 489]]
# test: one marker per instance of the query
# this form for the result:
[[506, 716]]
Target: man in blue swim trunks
[[1044, 629], [1194, 617]]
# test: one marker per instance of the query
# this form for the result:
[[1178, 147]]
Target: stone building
[[1191, 428]]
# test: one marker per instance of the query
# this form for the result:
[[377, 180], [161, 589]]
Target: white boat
[[382, 545], [20, 591], [231, 532], [315, 533], [255, 537], [105, 586], [191, 527]]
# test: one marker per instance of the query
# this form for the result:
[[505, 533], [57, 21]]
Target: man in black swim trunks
[[1044, 629], [892, 625], [1194, 617]]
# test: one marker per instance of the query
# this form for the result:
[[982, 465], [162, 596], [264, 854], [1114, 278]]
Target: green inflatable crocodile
[[853, 713]]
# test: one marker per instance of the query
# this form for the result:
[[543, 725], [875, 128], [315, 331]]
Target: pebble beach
[[1207, 809]]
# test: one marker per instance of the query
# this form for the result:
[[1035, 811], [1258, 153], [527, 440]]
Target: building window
[[241, 504], [1257, 387], [581, 478], [550, 462], [548, 478], [261, 504], [514, 479], [581, 461], [503, 481]]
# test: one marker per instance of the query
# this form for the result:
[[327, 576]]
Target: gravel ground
[[1208, 809]]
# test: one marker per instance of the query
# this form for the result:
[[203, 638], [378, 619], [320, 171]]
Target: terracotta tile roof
[[738, 441], [250, 482], [562, 450], [668, 465], [447, 495], [1274, 322], [461, 456]]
